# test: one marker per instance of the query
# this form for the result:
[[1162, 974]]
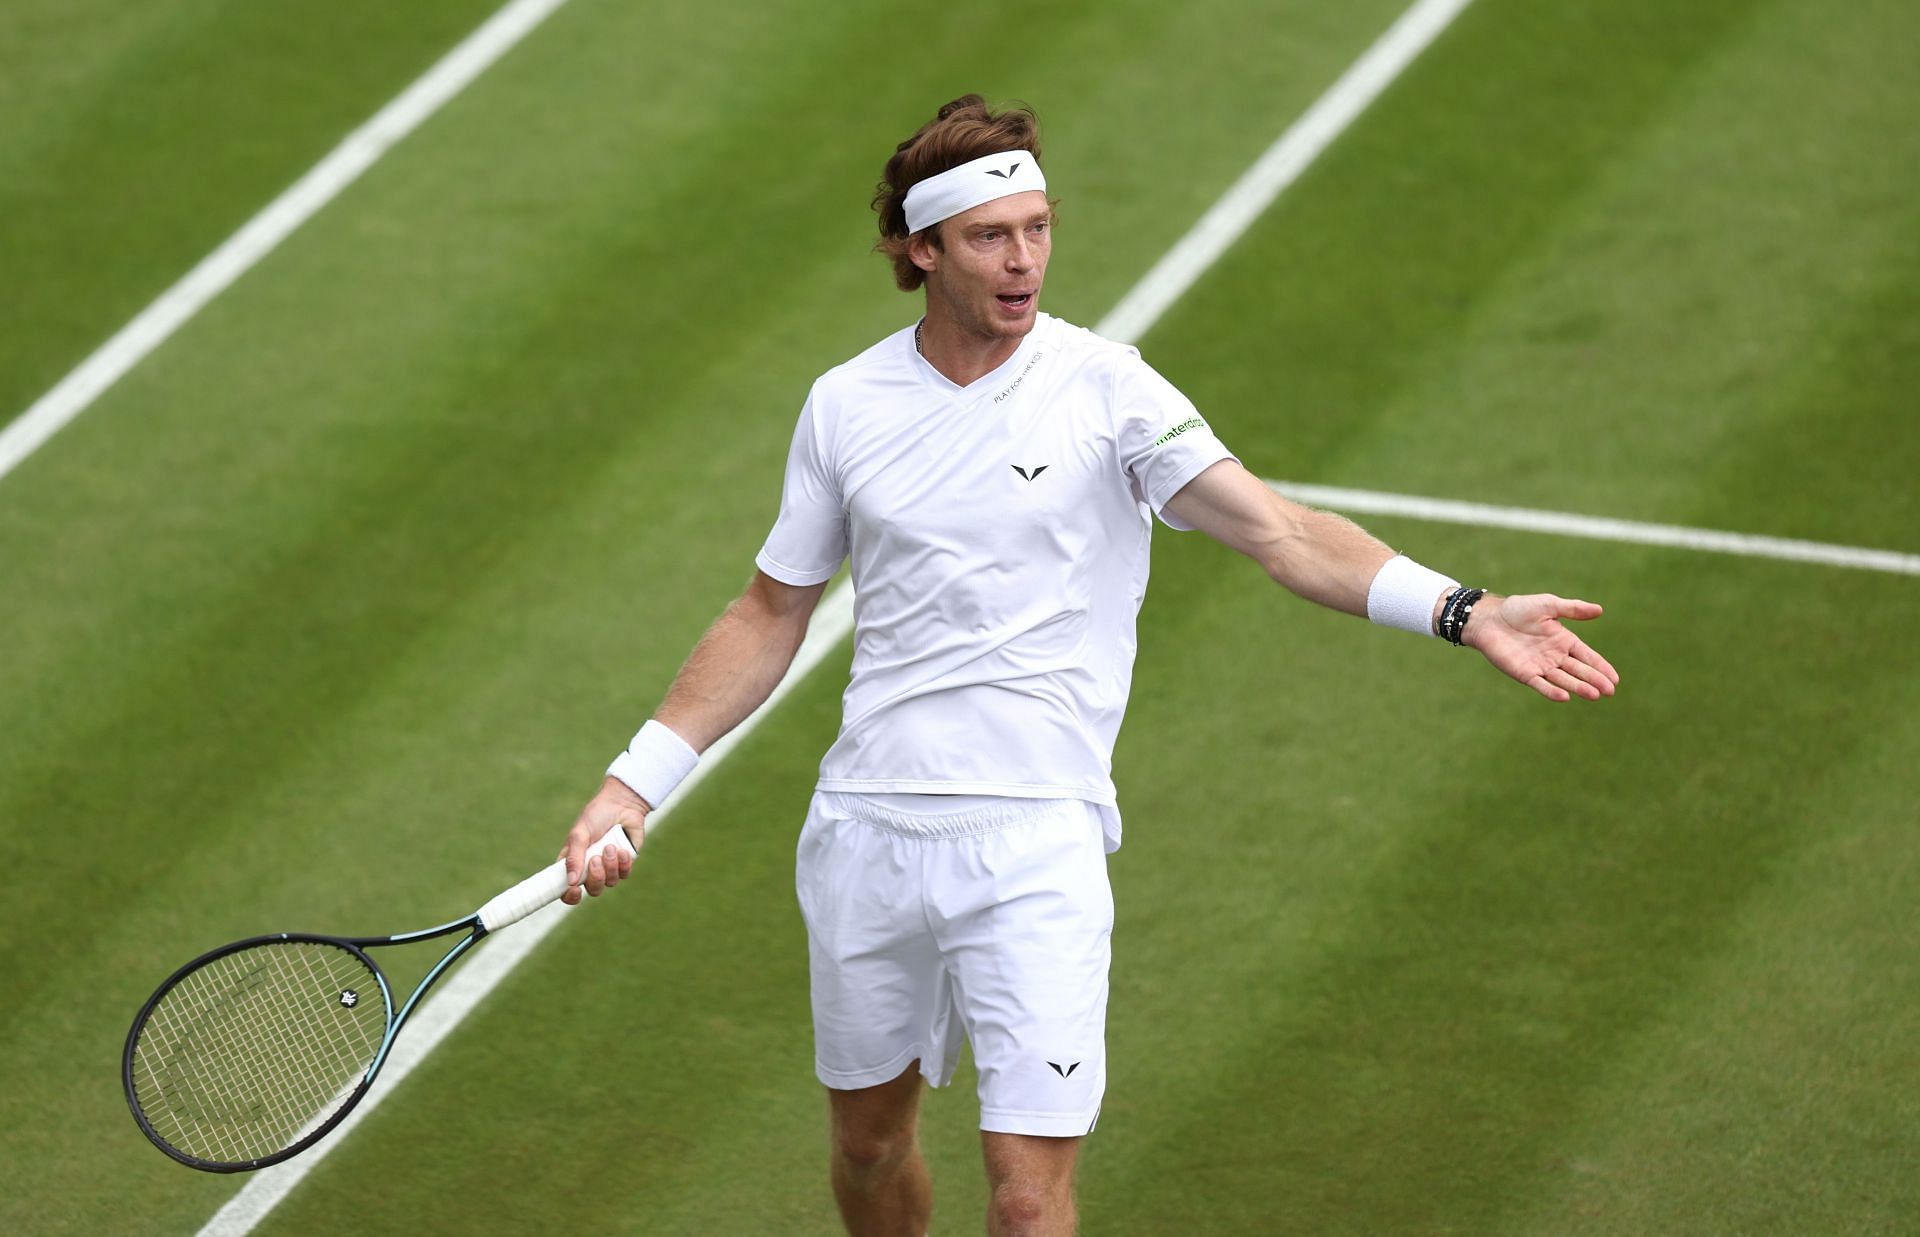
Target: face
[[987, 277]]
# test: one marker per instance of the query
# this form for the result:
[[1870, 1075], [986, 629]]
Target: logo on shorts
[[1029, 473], [1065, 1071]]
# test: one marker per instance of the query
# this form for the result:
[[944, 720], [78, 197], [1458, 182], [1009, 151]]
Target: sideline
[[260, 235], [1229, 218]]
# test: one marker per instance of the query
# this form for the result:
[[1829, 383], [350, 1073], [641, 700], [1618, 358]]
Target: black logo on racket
[[349, 998]]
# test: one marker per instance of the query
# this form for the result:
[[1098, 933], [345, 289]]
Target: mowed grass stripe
[[1767, 1098], [260, 235], [1679, 293], [359, 594], [1408, 228], [1277, 168], [137, 136], [1463, 922], [1557, 902]]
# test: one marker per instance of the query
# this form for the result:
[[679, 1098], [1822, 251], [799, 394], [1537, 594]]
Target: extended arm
[[1323, 557], [731, 672], [1333, 561]]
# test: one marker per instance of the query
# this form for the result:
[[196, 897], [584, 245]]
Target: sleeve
[[809, 540], [1164, 442]]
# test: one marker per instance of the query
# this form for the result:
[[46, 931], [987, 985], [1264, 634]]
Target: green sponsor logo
[[1176, 431]]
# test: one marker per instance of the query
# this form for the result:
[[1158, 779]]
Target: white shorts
[[994, 922]]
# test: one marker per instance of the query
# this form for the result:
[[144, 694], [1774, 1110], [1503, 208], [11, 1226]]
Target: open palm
[[1527, 639]]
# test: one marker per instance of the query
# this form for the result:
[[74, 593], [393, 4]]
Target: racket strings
[[245, 1056]]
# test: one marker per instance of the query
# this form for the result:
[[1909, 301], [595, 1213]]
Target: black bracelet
[[1466, 612], [1454, 617], [1440, 624], [1454, 614]]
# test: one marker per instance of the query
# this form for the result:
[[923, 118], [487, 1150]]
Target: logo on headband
[[1010, 171]]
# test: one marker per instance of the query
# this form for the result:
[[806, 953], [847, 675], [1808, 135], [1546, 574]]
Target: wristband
[[654, 763], [1402, 595]]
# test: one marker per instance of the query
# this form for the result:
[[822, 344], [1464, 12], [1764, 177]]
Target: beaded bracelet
[[1453, 615], [1448, 625]]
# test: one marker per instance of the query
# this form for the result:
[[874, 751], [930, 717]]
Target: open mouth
[[1016, 300]]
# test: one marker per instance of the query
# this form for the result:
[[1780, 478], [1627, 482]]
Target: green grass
[[328, 614], [139, 136]]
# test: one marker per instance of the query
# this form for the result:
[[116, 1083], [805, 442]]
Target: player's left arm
[[1330, 560]]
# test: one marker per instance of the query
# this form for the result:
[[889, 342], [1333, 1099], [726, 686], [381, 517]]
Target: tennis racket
[[253, 1052]]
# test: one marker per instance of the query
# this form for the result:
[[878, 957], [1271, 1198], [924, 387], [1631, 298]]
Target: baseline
[[1600, 528]]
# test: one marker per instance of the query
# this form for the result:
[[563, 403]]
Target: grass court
[[329, 614]]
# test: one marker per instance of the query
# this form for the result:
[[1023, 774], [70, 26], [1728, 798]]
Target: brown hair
[[963, 131]]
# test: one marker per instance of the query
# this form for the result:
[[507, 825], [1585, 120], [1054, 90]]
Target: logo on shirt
[[1015, 384], [1011, 169], [1176, 431], [1029, 474], [1065, 1071]]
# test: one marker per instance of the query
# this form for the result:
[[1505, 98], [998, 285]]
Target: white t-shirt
[[999, 535]]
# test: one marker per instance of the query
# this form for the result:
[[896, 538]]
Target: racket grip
[[543, 886]]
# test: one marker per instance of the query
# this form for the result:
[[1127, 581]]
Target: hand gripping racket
[[252, 1053]]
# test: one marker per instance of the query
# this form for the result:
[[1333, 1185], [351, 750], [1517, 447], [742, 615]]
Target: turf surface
[[325, 616]]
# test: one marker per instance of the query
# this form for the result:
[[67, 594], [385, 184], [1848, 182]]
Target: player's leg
[[882, 1011], [1024, 915], [1031, 1184], [879, 1177]]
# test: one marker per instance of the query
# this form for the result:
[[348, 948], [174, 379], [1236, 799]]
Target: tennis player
[[992, 474]]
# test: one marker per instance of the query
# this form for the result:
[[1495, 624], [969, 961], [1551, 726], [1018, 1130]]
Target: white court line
[[832, 620], [1278, 168], [1601, 528], [260, 235]]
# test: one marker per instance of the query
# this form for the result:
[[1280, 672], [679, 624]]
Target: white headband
[[967, 186]]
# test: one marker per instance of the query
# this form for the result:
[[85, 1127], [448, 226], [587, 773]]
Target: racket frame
[[508, 907], [355, 945]]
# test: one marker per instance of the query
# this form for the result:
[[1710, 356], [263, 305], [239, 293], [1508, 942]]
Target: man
[[992, 474]]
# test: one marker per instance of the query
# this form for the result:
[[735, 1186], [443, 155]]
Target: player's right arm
[[731, 672]]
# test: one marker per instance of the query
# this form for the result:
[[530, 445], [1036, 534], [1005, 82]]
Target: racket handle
[[543, 886]]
